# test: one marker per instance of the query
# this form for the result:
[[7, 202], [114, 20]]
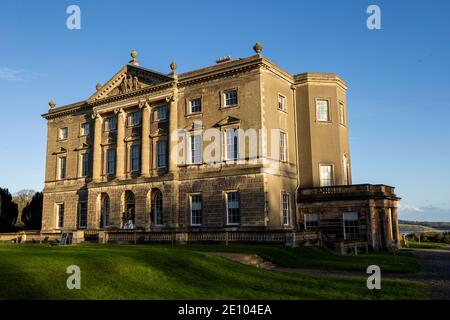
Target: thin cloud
[[11, 74], [425, 213]]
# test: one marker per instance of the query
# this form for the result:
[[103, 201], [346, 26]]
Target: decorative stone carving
[[52, 103], [129, 83]]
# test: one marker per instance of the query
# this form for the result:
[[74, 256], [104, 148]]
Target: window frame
[[333, 178], [83, 129], [190, 153], [60, 131], [342, 114], [79, 215], [107, 124], [156, 117], [60, 166], [306, 221], [328, 109], [108, 171], [227, 194], [131, 115], [192, 224], [156, 210], [355, 226], [235, 144], [284, 108], [285, 219], [157, 153], [58, 207], [224, 98], [283, 152], [134, 160], [85, 164], [191, 106]]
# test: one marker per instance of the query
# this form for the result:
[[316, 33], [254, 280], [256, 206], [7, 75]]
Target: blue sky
[[398, 77]]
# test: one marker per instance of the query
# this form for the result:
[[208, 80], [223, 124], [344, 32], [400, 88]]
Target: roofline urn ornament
[[258, 48], [133, 60], [52, 103], [98, 86]]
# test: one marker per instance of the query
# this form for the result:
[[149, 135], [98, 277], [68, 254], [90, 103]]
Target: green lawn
[[169, 272], [426, 245], [315, 257]]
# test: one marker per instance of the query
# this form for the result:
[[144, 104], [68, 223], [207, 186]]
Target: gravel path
[[435, 272]]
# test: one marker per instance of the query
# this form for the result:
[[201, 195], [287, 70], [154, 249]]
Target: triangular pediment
[[60, 150], [82, 146], [130, 78], [227, 121]]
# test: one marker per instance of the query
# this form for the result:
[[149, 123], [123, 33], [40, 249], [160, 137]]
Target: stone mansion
[[113, 160]]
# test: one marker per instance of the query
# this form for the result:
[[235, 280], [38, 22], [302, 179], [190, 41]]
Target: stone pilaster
[[173, 127], [396, 231], [388, 221], [145, 140], [120, 146], [97, 161]]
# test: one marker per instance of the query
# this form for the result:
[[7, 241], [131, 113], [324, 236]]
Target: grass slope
[[168, 272], [426, 245], [315, 257]]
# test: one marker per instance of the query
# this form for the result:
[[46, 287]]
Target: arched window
[[104, 217], [130, 210], [158, 208]]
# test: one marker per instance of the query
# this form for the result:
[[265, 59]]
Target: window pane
[[196, 105], [82, 215], [60, 215], [85, 164], [232, 144], [326, 176], [161, 151], [62, 167], [196, 149], [322, 110], [196, 209], [231, 98], [233, 207], [135, 157], [283, 148], [111, 162], [63, 133]]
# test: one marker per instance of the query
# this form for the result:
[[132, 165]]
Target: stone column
[[396, 230], [120, 146], [388, 224], [97, 161], [145, 140]]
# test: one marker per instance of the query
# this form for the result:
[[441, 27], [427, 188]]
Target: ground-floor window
[[311, 221], [60, 215], [158, 208], [82, 214], [351, 226], [233, 207], [196, 209], [104, 219], [286, 206], [130, 210]]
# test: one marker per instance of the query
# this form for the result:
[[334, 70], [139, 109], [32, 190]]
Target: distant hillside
[[423, 226]]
